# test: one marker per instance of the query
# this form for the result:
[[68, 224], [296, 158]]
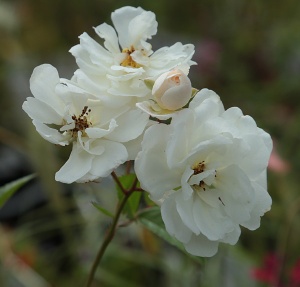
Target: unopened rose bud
[[172, 90]]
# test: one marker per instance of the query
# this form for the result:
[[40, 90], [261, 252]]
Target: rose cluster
[[204, 165]]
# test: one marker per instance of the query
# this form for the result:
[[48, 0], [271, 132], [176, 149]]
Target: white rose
[[64, 114], [172, 90], [118, 68], [207, 169]]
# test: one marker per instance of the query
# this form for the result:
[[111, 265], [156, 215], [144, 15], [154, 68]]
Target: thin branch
[[118, 182], [290, 220], [109, 236], [111, 232]]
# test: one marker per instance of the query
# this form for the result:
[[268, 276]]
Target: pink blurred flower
[[268, 273], [277, 163], [295, 274], [208, 55]]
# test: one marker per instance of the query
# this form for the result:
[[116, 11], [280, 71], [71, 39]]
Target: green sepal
[[194, 92], [149, 83]]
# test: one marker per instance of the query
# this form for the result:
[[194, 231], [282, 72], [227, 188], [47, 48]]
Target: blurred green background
[[247, 51]]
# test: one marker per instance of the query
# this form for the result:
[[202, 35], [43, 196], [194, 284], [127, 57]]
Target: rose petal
[[51, 135], [199, 245], [114, 155], [130, 125], [78, 165], [211, 222], [41, 111], [172, 220], [108, 33], [153, 179], [43, 81]]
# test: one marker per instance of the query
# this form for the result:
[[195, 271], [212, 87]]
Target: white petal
[[147, 107], [172, 220], [141, 28], [212, 197], [108, 33], [94, 83], [185, 210], [178, 146], [78, 165], [91, 146], [125, 91], [232, 237], [96, 132], [235, 116], [256, 160], [84, 62], [199, 245], [88, 177], [167, 58], [43, 81], [95, 53], [50, 134], [121, 19], [134, 147], [151, 166], [262, 204], [236, 193], [202, 95], [129, 73], [207, 174], [41, 111], [211, 222], [97, 86], [266, 138], [130, 125], [207, 105], [187, 191], [176, 97], [114, 155]]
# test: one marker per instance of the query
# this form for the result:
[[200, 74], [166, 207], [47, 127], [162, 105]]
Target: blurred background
[[247, 51]]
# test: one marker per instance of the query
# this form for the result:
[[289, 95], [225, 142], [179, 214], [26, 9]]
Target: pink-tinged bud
[[172, 90]]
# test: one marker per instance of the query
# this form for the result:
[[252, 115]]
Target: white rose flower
[[207, 169], [171, 91], [127, 59], [63, 114]]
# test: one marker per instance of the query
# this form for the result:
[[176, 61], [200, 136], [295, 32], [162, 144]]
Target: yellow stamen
[[81, 122], [128, 61]]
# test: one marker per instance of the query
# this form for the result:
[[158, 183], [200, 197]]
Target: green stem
[[283, 248], [111, 232]]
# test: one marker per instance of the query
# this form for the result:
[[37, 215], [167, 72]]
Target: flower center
[[199, 167], [81, 122], [202, 177], [128, 61]]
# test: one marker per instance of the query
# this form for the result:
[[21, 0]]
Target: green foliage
[[102, 209], [133, 202], [9, 189], [151, 219]]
